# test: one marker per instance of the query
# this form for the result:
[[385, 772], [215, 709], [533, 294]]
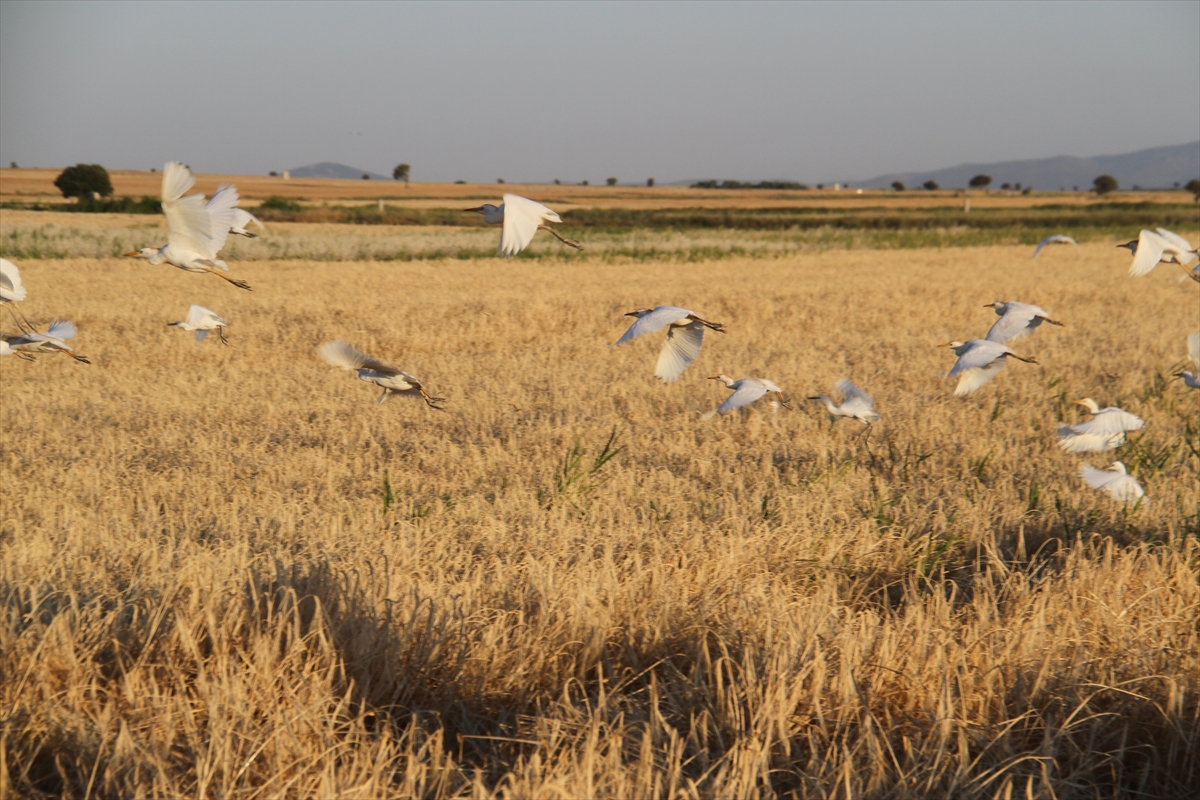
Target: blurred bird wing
[[850, 393], [201, 335], [680, 349], [1018, 321], [1074, 441], [1109, 421], [748, 392], [654, 321], [1121, 486], [521, 219], [974, 377], [189, 226], [982, 353], [60, 329], [11, 287], [1098, 478], [1176, 241], [1042, 244], [177, 179], [221, 209], [1194, 348], [345, 355], [199, 315], [242, 218], [1150, 248]]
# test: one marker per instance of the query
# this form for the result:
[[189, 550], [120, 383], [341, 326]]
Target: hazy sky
[[537, 91]]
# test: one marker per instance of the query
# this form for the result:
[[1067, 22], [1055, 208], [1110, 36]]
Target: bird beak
[[631, 313], [134, 253], [947, 344], [989, 305], [476, 208], [714, 377]]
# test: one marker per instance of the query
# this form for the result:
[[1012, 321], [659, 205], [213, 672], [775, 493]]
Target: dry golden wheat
[[204, 597]]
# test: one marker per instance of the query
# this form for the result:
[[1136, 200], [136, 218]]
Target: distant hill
[[1155, 168], [328, 169]]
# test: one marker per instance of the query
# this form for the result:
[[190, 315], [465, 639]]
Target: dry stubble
[[204, 598]]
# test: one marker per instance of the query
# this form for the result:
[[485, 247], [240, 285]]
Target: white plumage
[[1017, 320], [201, 320], [1104, 431], [1057, 238], [242, 218], [28, 345], [979, 360], [520, 219], [196, 230], [685, 334], [746, 391], [1162, 247], [390, 379], [1192, 379], [856, 403], [1115, 480], [12, 290]]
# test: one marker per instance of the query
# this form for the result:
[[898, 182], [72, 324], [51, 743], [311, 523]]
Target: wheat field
[[228, 572]]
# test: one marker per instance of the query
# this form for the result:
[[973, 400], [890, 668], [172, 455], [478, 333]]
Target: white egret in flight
[[746, 391], [201, 320], [685, 334], [12, 291], [28, 345], [1114, 480], [1192, 379], [1017, 320], [196, 231], [1057, 238], [390, 379], [1104, 431], [242, 218], [1164, 247], [521, 218], [856, 403], [979, 360]]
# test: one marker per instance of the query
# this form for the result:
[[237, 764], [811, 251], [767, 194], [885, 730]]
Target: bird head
[[953, 344], [1087, 403], [725, 379], [996, 304], [1131, 245]]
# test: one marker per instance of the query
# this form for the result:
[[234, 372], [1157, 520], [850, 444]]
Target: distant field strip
[[690, 236]]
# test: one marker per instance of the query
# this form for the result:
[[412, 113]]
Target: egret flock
[[198, 230]]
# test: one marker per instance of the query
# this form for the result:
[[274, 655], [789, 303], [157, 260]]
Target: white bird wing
[[1194, 348], [199, 315], [242, 218], [345, 355], [1042, 244], [1150, 248], [1074, 441], [654, 321], [680, 349], [974, 377], [749, 391], [851, 392], [11, 287], [201, 335], [61, 329], [1109, 421], [1178, 242], [982, 353], [521, 219], [1018, 321], [221, 209], [1120, 485], [188, 222]]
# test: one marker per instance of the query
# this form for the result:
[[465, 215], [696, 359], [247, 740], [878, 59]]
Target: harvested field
[[228, 572]]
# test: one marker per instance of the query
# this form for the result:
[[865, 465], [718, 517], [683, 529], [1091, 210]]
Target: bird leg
[[1030, 360], [26, 356], [234, 281], [430, 400], [1053, 322], [221, 333], [1193, 275], [82, 359], [19, 317], [567, 242], [783, 401]]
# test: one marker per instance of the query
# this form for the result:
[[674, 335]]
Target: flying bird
[[196, 231], [1104, 431], [1164, 247], [1017, 320], [201, 320], [1115, 480], [685, 334], [390, 379], [12, 290], [242, 218], [1057, 238], [1192, 379], [521, 218], [856, 403], [746, 391], [28, 345], [979, 360]]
